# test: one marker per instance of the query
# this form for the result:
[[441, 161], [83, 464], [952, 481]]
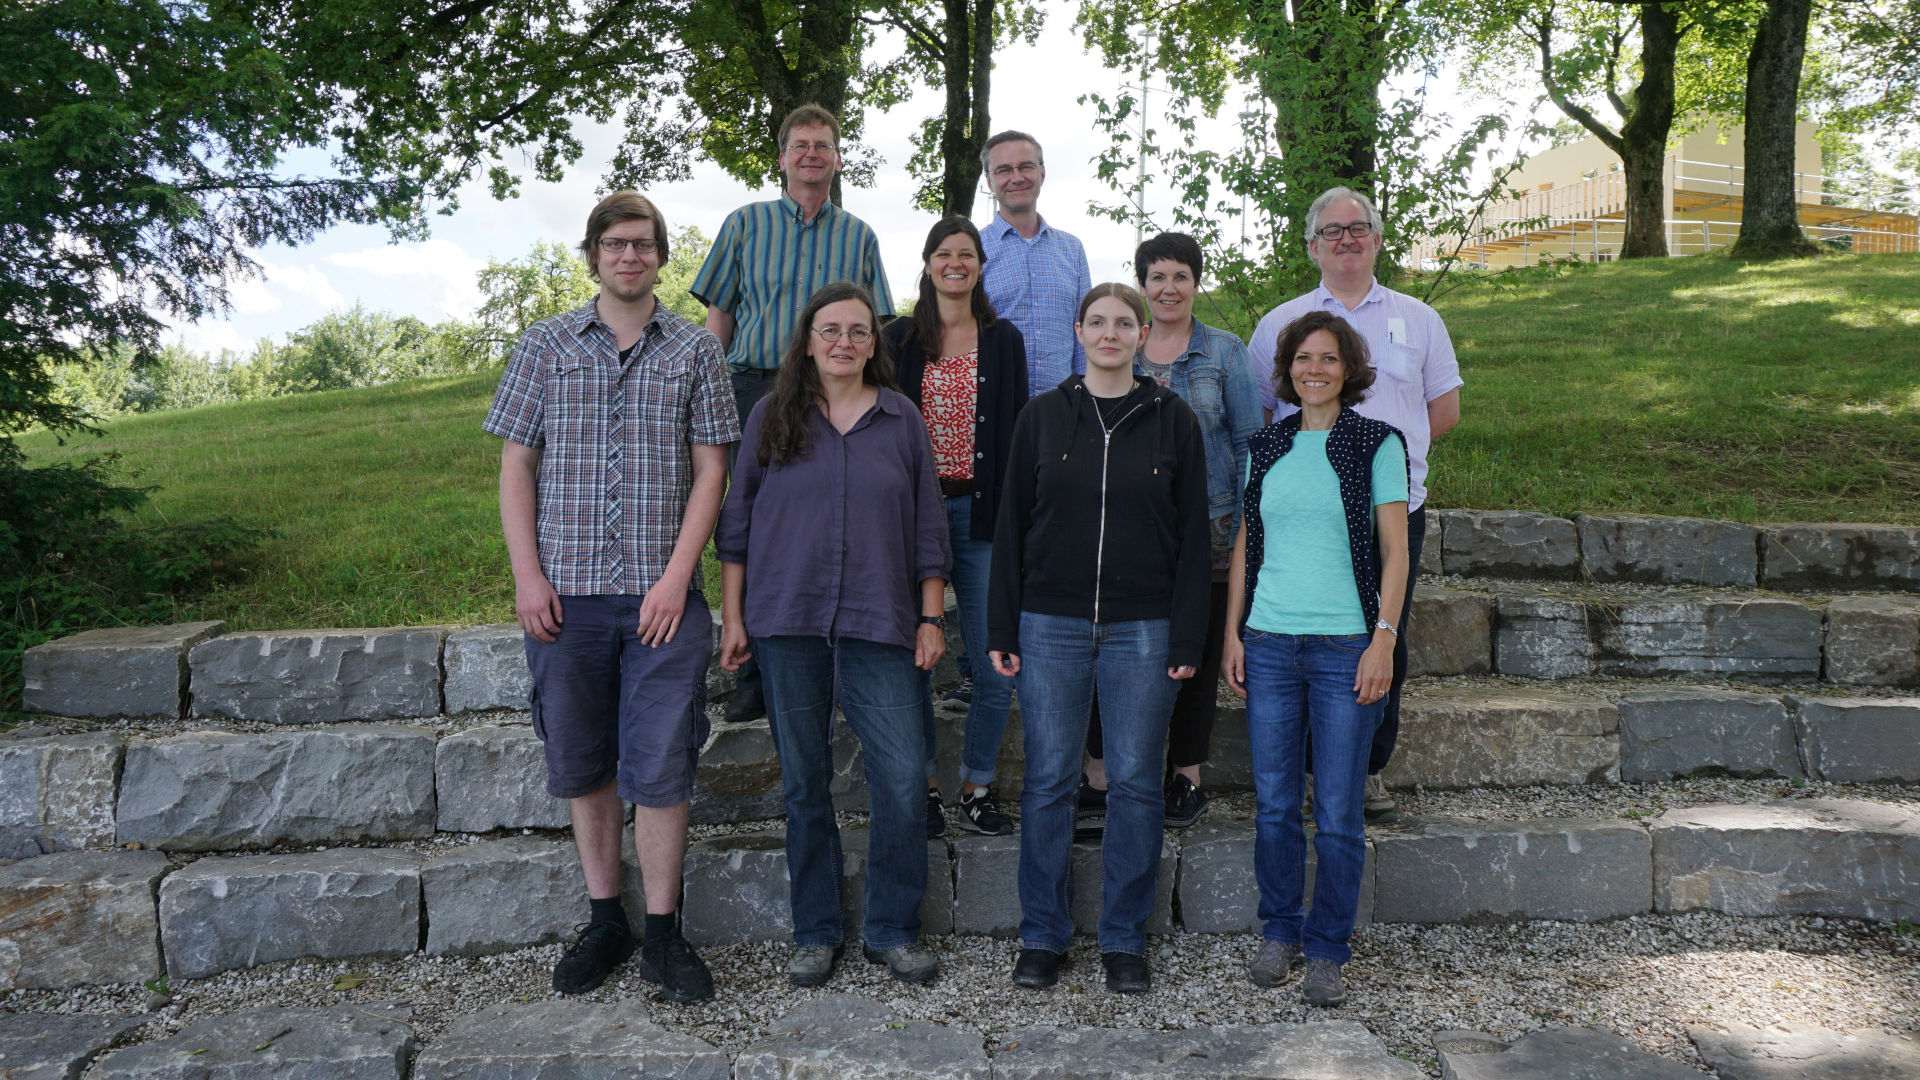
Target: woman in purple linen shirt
[[834, 558]]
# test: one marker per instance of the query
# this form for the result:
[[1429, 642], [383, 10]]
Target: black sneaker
[[1038, 969], [961, 694], [601, 947], [1089, 812], [672, 963], [1127, 973], [1185, 802], [936, 817], [981, 813]]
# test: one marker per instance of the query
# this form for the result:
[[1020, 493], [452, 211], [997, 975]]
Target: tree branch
[[1543, 36], [919, 34], [1613, 72]]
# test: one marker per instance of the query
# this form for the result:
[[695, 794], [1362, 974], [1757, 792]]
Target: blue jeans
[[992, 692], [1296, 684], [880, 692], [1061, 661]]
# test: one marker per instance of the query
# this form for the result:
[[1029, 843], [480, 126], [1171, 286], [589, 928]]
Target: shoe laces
[[597, 931]]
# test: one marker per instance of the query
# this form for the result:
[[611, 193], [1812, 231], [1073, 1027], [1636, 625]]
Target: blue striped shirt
[[1036, 285], [767, 263]]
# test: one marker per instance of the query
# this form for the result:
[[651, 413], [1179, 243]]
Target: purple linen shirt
[[837, 543]]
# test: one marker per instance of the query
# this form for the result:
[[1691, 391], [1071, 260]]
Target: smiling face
[[1170, 288], [1317, 370], [954, 266], [1345, 257], [844, 358], [1014, 175], [631, 274], [811, 155], [1111, 333]]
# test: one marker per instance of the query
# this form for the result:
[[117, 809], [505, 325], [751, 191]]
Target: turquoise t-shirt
[[1306, 578]]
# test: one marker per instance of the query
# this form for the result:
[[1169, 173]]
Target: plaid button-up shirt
[[616, 466]]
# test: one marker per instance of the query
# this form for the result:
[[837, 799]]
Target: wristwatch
[[1388, 627], [934, 620]]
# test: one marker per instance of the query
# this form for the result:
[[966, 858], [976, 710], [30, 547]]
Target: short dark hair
[[1358, 377], [1126, 294], [619, 207], [1175, 246], [808, 115]]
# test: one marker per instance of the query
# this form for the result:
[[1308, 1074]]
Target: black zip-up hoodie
[[1108, 528]]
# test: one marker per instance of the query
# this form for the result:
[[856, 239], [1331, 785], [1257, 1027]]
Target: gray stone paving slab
[[349, 1042], [79, 917], [222, 791], [116, 671], [42, 1046], [1229, 754], [1508, 543], [735, 889], [738, 776], [494, 777], [1669, 551], [936, 908], [502, 894], [1563, 1054], [57, 792], [984, 870], [842, 1037], [1762, 639], [1321, 1050], [1454, 870], [1806, 1052], [1087, 901], [1218, 892], [1873, 641], [1449, 633], [1846, 556], [1687, 731], [567, 1040], [486, 668], [1504, 738], [1841, 857], [1859, 739], [224, 913], [319, 676]]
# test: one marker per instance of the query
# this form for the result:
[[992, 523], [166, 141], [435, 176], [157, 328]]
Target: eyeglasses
[[1359, 230], [1025, 168], [858, 335], [815, 147], [614, 245]]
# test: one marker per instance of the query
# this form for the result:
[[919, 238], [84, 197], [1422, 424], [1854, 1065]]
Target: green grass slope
[[1687, 386]]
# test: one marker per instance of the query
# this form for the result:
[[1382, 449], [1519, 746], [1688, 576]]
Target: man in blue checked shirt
[[615, 418], [1035, 274]]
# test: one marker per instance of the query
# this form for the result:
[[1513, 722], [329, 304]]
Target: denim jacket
[[1215, 379]]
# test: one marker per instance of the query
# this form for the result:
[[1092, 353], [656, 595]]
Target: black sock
[[659, 926], [609, 911]]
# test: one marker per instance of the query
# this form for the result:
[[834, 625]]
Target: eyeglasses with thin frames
[[1359, 230], [1025, 168], [614, 245], [859, 335], [814, 147]]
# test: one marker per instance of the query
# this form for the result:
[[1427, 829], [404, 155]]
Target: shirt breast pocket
[[1397, 363], [1204, 393]]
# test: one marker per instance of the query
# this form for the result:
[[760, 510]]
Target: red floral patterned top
[[948, 392]]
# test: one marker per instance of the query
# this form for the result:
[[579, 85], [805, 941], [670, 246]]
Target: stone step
[[74, 918], [348, 1042]]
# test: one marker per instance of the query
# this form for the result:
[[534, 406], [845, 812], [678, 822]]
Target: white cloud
[[437, 274], [213, 338]]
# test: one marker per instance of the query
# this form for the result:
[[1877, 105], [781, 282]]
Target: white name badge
[[1397, 331]]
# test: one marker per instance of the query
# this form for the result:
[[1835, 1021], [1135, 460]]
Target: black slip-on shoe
[[1127, 973], [1037, 969]]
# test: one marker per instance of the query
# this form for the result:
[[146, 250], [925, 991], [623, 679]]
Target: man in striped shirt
[[1035, 274], [768, 261]]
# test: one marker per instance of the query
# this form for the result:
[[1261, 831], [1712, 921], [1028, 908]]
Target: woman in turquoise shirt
[[1315, 591]]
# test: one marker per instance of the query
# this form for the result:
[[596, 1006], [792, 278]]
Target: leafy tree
[[352, 348]]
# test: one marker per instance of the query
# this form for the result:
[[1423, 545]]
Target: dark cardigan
[[1003, 393], [1350, 449]]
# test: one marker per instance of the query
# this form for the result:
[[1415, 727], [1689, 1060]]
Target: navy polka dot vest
[[1350, 449]]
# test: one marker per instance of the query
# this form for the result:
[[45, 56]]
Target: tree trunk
[[1769, 218], [1643, 137], [967, 66], [815, 74]]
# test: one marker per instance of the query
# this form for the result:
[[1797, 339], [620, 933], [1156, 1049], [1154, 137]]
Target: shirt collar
[[791, 211], [1375, 293], [1001, 227], [587, 316]]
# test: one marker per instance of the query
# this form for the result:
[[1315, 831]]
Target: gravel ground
[[1646, 978]]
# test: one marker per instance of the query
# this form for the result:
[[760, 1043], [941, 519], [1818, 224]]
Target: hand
[[661, 611], [733, 646], [1233, 664], [1005, 663], [1187, 672], [537, 607], [1375, 676], [929, 646]]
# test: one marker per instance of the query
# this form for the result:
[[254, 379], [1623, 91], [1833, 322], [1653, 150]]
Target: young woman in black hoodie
[[1100, 577]]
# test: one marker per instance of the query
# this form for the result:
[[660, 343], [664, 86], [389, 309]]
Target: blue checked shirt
[[1036, 285], [767, 263], [617, 439]]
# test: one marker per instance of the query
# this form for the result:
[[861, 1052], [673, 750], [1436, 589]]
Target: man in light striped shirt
[[768, 261], [1035, 274]]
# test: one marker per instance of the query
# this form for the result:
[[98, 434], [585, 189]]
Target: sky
[[435, 279]]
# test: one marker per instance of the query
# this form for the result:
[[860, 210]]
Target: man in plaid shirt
[[616, 417]]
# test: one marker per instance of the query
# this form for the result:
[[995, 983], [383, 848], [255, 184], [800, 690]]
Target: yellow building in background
[[1572, 203]]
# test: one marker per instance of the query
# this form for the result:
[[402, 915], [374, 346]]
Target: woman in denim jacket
[[1210, 371]]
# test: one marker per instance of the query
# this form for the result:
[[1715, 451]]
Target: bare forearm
[[703, 511], [519, 499], [720, 325], [933, 598], [733, 586], [1442, 413]]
